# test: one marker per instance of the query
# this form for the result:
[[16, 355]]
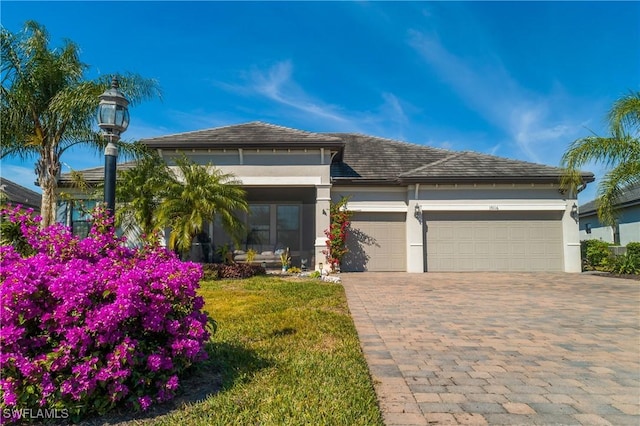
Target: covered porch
[[279, 218]]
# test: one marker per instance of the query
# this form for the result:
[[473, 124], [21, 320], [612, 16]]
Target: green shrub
[[633, 249], [595, 254], [626, 264]]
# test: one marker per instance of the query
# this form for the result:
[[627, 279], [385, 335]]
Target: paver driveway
[[493, 348]]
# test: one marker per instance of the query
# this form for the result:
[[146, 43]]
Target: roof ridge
[[198, 131], [455, 154], [279, 126], [247, 123]]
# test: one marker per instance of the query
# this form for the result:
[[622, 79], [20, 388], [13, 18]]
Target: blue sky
[[515, 79]]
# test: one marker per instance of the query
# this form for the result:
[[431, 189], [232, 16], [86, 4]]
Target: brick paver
[[494, 348]]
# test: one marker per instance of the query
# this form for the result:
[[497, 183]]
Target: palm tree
[[197, 195], [140, 192], [46, 106], [619, 152]]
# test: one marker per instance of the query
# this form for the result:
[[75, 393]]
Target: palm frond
[[624, 117], [612, 187]]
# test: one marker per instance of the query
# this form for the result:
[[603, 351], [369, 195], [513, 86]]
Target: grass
[[286, 352]]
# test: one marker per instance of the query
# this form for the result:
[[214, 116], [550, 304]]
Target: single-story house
[[416, 208], [15, 194], [627, 229]]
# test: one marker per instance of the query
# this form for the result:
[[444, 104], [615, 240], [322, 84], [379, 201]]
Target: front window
[[81, 219], [259, 225], [288, 223]]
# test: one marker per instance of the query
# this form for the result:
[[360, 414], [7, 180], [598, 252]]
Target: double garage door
[[459, 241], [493, 241]]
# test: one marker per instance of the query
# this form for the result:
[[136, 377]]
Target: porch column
[[571, 237], [323, 199]]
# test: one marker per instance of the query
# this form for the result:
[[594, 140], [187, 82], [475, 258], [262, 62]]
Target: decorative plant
[[626, 264], [285, 259], [251, 255], [224, 251], [340, 218], [88, 324]]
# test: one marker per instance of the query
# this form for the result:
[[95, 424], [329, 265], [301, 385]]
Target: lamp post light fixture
[[113, 119]]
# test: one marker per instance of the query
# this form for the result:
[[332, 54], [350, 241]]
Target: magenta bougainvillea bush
[[88, 324]]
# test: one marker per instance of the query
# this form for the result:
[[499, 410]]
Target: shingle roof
[[18, 194], [92, 175], [363, 159], [377, 159], [628, 197], [249, 135], [367, 158]]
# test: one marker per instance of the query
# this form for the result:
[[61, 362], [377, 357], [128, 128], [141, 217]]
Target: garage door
[[376, 242], [494, 241]]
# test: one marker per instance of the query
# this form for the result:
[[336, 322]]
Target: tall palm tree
[[140, 192], [197, 195], [46, 106], [619, 152]]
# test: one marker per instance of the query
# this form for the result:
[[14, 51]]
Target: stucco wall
[[629, 226]]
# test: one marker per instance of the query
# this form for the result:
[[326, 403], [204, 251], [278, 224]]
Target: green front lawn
[[286, 353]]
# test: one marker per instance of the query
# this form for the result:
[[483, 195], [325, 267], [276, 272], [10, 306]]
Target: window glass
[[81, 217], [259, 227], [288, 227]]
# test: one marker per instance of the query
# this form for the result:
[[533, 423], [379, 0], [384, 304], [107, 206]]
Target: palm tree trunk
[[48, 168]]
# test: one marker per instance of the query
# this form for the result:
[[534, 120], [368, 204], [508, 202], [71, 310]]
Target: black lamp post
[[113, 119]]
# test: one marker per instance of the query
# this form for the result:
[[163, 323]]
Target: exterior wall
[[598, 231], [323, 200], [629, 227], [254, 157]]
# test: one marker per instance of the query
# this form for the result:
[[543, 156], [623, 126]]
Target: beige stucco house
[[416, 208]]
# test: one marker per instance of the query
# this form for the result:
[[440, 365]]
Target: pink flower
[[145, 402], [86, 319]]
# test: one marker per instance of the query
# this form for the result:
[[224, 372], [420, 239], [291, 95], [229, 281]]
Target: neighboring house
[[15, 194], [628, 227], [416, 208]]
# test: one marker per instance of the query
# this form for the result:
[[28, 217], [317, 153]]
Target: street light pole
[[113, 119], [110, 159]]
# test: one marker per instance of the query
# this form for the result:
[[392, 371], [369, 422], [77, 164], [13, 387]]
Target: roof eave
[[242, 145], [482, 179]]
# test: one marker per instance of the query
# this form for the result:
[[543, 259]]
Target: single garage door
[[494, 241], [376, 242]]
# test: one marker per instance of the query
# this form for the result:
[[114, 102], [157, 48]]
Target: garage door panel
[[377, 242], [494, 241]]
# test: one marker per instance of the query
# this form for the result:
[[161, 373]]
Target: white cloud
[[536, 123], [21, 175], [278, 85], [393, 111]]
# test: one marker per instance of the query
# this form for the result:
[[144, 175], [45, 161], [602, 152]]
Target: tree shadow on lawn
[[227, 363]]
